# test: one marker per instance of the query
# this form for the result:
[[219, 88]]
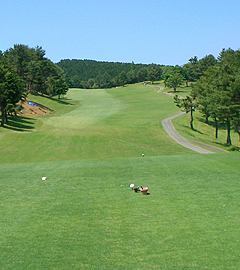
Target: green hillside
[[90, 124]]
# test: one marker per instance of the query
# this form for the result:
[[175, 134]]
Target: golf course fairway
[[85, 215]]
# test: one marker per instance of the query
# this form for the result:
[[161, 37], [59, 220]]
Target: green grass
[[205, 133], [85, 216], [122, 122], [202, 132]]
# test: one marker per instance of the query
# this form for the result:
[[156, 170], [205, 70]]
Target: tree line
[[96, 74], [25, 70], [216, 92], [191, 72]]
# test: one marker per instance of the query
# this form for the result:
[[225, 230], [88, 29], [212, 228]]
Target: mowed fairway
[[95, 106], [85, 216]]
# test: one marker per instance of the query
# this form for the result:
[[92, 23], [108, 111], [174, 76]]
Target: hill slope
[[90, 124]]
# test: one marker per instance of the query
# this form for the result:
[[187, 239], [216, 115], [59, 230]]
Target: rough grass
[[85, 216]]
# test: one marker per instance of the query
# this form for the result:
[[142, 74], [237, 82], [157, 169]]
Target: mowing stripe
[[96, 105]]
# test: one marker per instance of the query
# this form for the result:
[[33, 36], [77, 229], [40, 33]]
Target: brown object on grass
[[33, 111], [144, 190]]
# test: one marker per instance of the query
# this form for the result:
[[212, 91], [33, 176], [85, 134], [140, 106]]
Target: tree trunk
[[206, 119], [191, 121], [216, 128], [3, 116], [175, 89], [229, 142], [6, 116]]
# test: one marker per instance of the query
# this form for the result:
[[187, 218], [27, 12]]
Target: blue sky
[[165, 32]]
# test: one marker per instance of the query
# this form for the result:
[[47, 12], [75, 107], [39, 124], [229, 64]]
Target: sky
[[167, 32]]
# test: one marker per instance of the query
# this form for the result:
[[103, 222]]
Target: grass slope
[[93, 124], [85, 216]]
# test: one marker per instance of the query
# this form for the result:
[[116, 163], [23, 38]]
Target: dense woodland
[[95, 74], [215, 82]]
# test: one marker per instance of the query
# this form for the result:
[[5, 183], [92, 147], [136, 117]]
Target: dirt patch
[[32, 109]]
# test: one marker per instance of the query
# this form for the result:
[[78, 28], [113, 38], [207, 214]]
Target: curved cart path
[[169, 128]]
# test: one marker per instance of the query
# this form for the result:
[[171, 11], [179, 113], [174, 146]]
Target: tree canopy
[[25, 70], [108, 74], [174, 78], [38, 73], [11, 89], [217, 92]]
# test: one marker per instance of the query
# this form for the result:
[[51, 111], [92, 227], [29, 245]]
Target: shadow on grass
[[63, 101], [211, 123], [195, 130], [18, 123], [230, 147], [175, 92], [234, 148], [218, 144], [155, 83]]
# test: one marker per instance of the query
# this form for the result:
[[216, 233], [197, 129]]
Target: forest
[[95, 74]]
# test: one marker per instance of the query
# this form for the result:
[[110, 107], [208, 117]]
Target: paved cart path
[[171, 131]]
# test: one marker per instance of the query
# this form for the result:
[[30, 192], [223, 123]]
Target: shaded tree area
[[176, 76], [25, 70], [39, 74], [96, 74], [194, 69], [11, 90], [216, 92]]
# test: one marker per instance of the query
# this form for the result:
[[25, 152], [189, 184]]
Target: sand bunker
[[32, 109]]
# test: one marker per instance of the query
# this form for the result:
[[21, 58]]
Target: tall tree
[[218, 90], [154, 73], [123, 78], [195, 68], [132, 76], [236, 123], [11, 89], [38, 73], [19, 57], [185, 74], [187, 105], [173, 78], [142, 74]]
